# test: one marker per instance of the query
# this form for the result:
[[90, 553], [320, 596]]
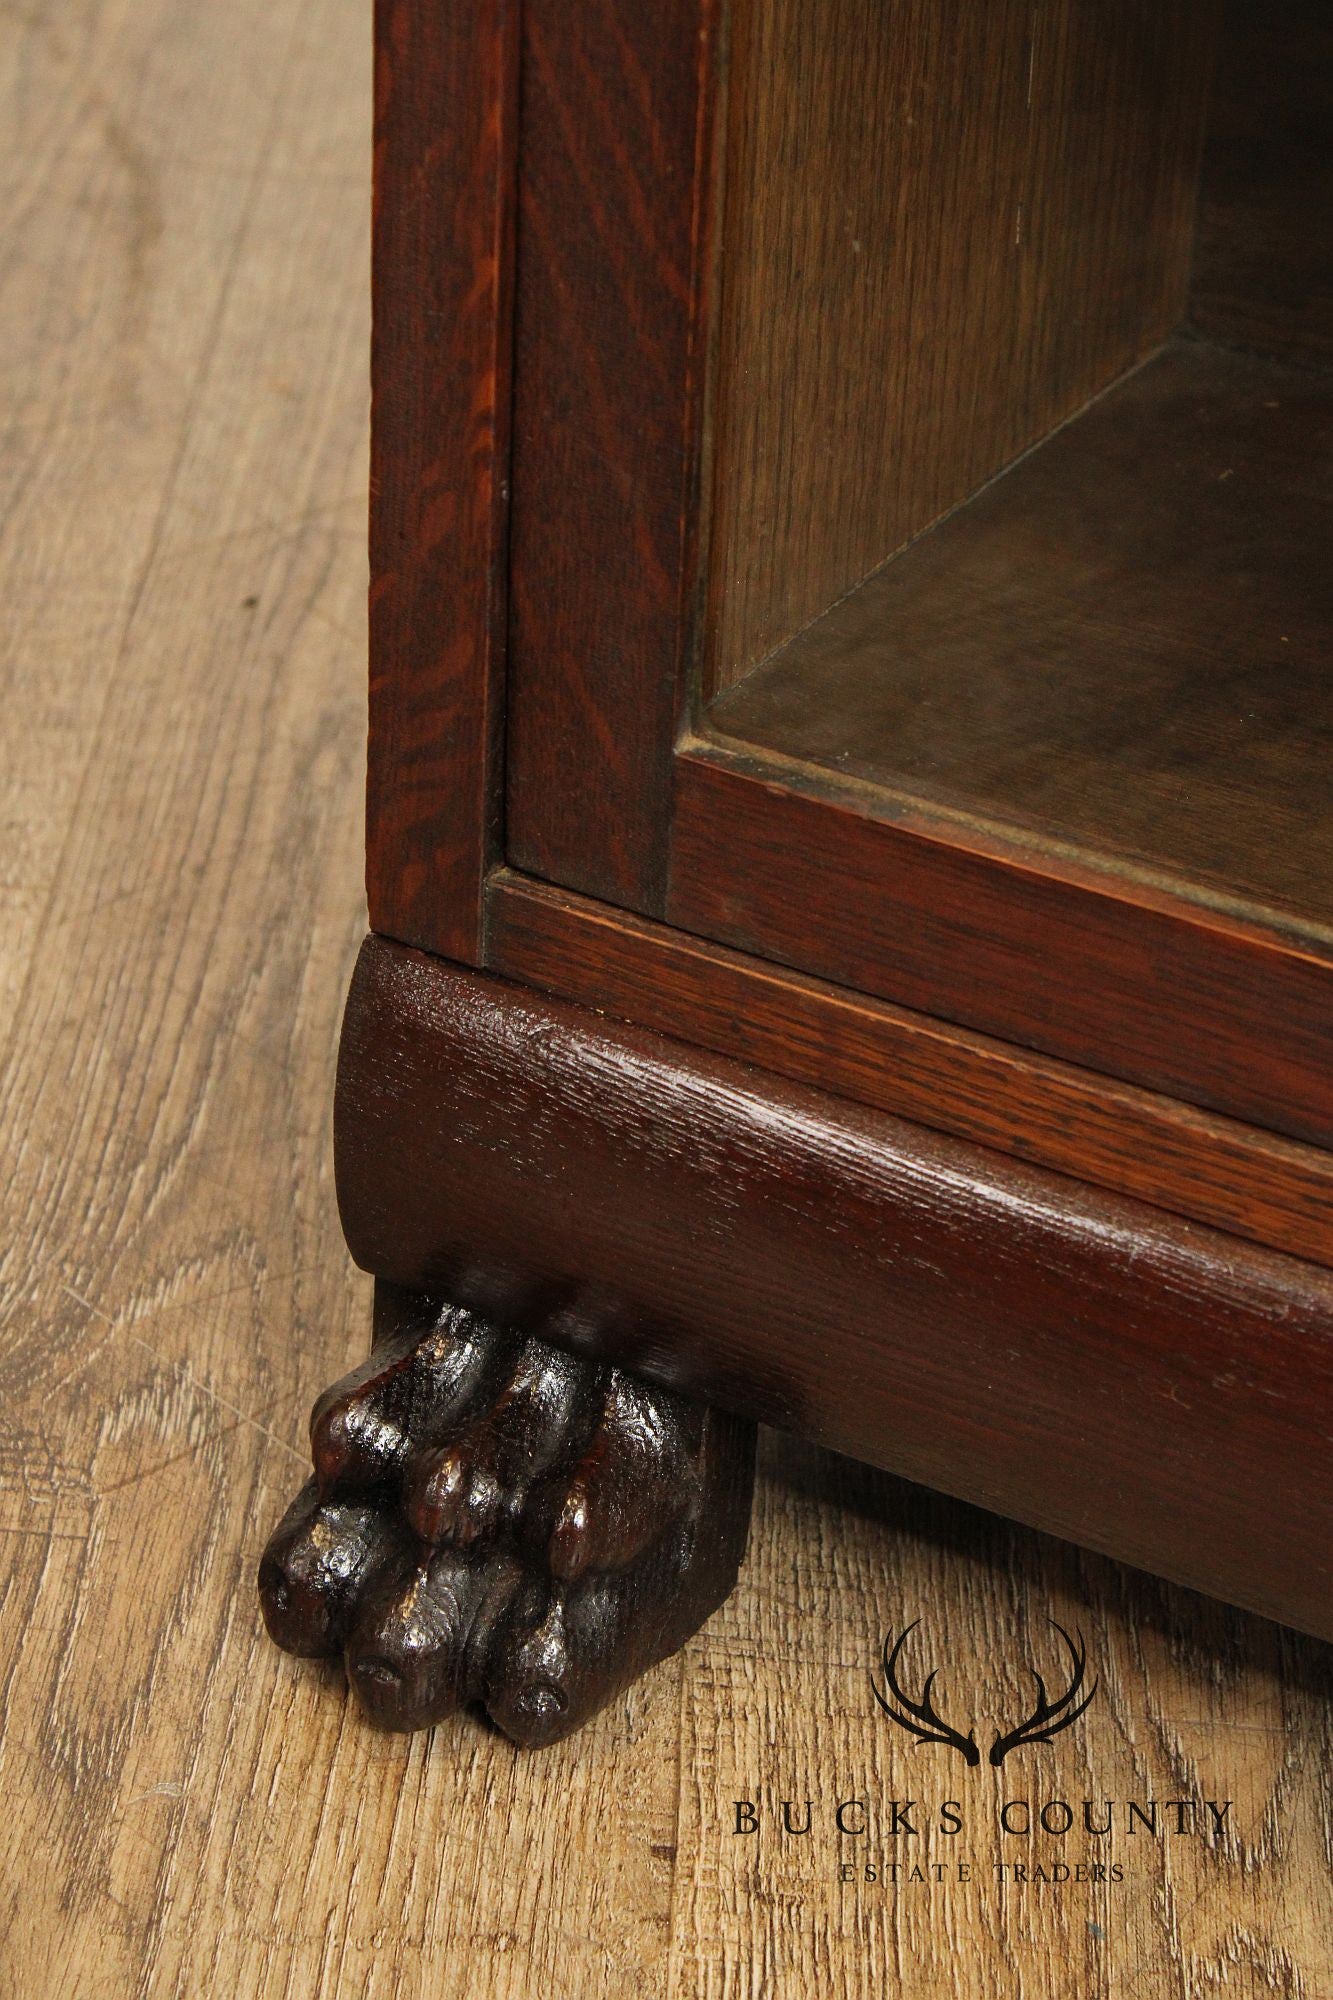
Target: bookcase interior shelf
[[1104, 632], [1119, 644]]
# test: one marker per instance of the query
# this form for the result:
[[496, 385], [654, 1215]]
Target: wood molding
[[1141, 1385], [1210, 1169], [1106, 972], [446, 89]]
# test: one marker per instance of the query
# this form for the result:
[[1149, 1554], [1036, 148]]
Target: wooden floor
[[186, 1812]]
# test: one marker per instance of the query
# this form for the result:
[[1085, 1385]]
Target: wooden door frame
[[1104, 970], [442, 248], [616, 790], [617, 170], [500, 271]]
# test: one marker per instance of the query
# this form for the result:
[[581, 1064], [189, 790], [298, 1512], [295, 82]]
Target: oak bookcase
[[850, 811]]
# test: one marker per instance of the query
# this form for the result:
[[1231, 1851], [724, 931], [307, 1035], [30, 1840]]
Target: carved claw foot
[[494, 1520]]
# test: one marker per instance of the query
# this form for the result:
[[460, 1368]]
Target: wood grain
[[945, 228], [113, 309], [1086, 1364], [615, 178], [1263, 274], [184, 330], [1213, 1170], [1119, 648], [445, 130], [771, 1914], [939, 913]]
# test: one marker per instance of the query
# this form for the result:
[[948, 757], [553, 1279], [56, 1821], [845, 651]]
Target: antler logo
[[1049, 1717], [921, 1719]]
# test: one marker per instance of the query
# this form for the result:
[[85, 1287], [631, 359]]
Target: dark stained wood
[[495, 1520], [1121, 647], [1144, 1386], [614, 185], [945, 227], [1113, 975], [1210, 1169], [1263, 270], [445, 123], [1045, 1345]]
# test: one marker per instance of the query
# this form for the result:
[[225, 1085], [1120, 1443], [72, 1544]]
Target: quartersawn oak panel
[[615, 172], [1137, 1384], [445, 126], [1210, 1169], [945, 227], [839, 880]]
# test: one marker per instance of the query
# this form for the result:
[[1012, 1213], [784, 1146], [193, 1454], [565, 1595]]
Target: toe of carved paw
[[493, 1520]]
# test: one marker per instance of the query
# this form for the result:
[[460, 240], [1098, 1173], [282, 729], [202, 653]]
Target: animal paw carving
[[494, 1520]]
